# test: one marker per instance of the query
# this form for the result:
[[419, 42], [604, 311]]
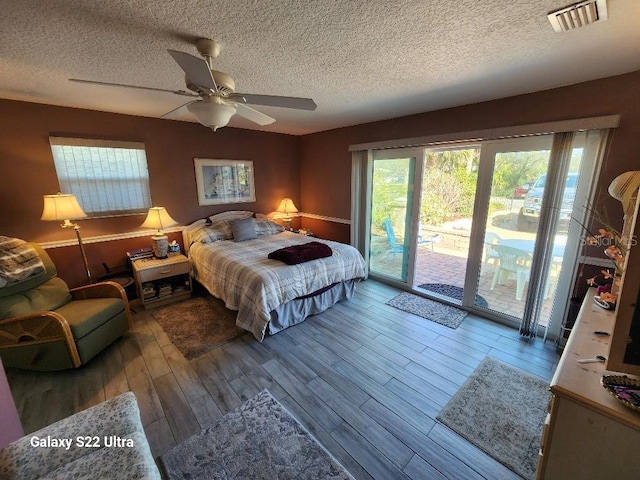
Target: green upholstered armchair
[[46, 326]]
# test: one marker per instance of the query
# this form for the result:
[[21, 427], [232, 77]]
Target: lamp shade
[[212, 115], [158, 218], [63, 206], [625, 189], [287, 206]]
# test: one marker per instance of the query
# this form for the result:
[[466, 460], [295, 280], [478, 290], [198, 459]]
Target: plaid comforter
[[18, 261], [247, 281]]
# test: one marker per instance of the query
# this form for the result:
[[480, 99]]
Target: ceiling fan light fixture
[[212, 115]]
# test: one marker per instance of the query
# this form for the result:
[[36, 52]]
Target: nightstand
[[160, 281]]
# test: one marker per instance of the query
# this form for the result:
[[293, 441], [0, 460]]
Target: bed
[[269, 295]]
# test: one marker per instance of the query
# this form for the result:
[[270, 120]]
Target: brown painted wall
[[323, 152], [28, 173], [314, 170]]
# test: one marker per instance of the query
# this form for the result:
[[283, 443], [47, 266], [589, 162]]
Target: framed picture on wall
[[224, 181]]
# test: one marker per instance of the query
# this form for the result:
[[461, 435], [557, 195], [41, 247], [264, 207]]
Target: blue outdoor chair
[[395, 247]]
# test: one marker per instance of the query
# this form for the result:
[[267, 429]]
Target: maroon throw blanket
[[301, 253]]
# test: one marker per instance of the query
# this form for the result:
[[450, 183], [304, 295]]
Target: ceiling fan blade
[[176, 112], [93, 82], [275, 101], [254, 115], [196, 69]]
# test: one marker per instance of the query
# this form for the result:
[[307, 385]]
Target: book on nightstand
[[138, 253], [148, 291], [165, 289]]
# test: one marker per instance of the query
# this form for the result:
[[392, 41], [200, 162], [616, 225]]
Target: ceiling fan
[[217, 99]]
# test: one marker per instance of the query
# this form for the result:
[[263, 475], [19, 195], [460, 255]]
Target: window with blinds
[[107, 177]]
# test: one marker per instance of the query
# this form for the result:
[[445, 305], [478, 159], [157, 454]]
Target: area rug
[[198, 325], [501, 410], [451, 291], [423, 307], [257, 440]]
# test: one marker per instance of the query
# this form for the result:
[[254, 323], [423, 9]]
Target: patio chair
[[512, 260], [491, 239], [395, 247]]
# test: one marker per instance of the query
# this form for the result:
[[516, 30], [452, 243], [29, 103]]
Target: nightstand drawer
[[163, 271]]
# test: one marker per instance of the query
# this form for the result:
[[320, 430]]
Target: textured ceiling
[[360, 61]]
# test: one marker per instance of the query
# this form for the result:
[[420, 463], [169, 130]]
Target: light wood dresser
[[588, 434]]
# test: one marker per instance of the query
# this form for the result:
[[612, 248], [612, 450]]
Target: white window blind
[[107, 177]]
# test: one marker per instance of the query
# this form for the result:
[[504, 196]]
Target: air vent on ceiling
[[578, 15]]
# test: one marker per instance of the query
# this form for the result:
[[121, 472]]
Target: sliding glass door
[[528, 243], [446, 216], [393, 181], [511, 211], [485, 226]]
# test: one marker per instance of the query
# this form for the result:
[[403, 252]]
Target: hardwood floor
[[365, 379]]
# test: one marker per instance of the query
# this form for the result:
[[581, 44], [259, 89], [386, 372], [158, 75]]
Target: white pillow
[[231, 215], [205, 234], [222, 229], [268, 227]]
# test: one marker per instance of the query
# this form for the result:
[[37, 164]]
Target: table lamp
[[65, 207], [159, 218], [285, 209]]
